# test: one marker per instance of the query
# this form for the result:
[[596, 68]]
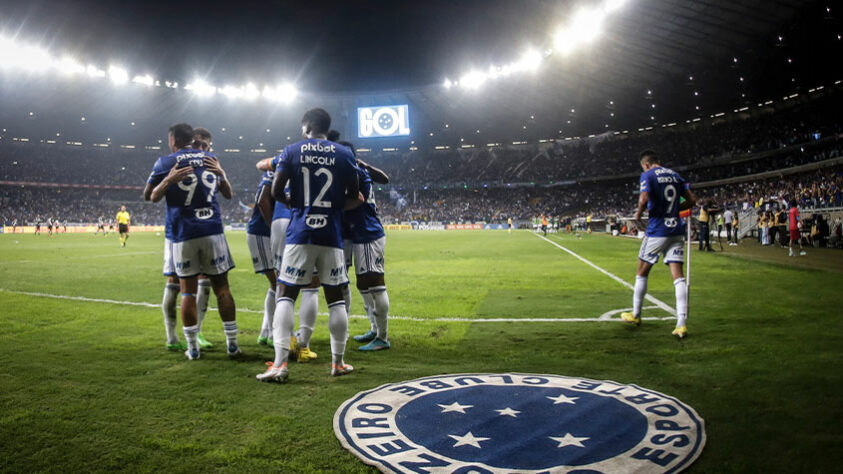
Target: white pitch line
[[356, 316], [84, 257], [661, 304]]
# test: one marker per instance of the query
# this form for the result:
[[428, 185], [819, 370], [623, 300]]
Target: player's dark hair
[[318, 121], [202, 133], [202, 137], [182, 134], [349, 145], [649, 156], [333, 136]]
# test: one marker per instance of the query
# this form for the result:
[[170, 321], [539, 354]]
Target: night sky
[[345, 46]]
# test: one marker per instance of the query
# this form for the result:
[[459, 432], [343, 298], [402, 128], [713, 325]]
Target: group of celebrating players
[[314, 215]]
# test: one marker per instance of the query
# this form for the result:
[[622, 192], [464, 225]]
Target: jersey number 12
[[329, 179]]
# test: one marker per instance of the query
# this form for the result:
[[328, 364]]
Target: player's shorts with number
[[261, 249], [302, 261], [169, 264], [369, 257], [278, 236], [672, 248], [208, 255]]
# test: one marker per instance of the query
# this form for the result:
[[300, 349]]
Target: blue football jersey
[[192, 208], [319, 173], [280, 211], [664, 187], [257, 225], [364, 222]]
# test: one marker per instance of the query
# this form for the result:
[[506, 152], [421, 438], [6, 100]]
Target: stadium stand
[[738, 160]]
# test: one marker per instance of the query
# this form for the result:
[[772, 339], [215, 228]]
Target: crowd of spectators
[[30, 205], [469, 185]]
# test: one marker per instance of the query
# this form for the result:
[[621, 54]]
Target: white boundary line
[[603, 318], [652, 299], [84, 257]]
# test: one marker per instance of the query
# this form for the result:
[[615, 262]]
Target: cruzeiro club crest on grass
[[519, 423]]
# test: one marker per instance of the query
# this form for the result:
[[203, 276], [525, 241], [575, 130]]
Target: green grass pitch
[[89, 386]]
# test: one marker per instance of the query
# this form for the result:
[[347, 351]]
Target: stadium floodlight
[[610, 6], [232, 92], [250, 92], [94, 71], [69, 66], [587, 24], [146, 80], [530, 60], [473, 80], [447, 84], [201, 88], [118, 75], [28, 58]]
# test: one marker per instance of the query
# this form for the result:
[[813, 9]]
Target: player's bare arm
[[264, 165], [690, 200], [147, 192], [377, 174], [643, 198], [213, 165], [279, 182], [265, 204], [354, 198], [176, 175]]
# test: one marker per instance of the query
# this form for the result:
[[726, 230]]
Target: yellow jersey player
[[123, 220]]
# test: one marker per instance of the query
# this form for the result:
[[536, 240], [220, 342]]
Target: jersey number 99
[[189, 184]]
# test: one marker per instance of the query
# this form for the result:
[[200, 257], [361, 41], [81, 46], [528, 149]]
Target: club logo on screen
[[386, 121], [485, 423]]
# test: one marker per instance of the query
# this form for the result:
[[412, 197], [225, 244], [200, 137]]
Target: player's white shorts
[[278, 236], [169, 264], [208, 255], [261, 249], [302, 260], [369, 257], [673, 249]]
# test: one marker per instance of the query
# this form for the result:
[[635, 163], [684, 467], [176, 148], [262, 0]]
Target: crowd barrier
[[447, 226], [77, 229]]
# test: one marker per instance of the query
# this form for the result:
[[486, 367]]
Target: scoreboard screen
[[384, 121]]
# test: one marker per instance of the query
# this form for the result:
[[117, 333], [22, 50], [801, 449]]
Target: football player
[[368, 244], [201, 141], [309, 306], [259, 242], [323, 182], [190, 179], [661, 190]]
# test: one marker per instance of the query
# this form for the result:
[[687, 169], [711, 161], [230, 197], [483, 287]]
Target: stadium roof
[[655, 61]]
